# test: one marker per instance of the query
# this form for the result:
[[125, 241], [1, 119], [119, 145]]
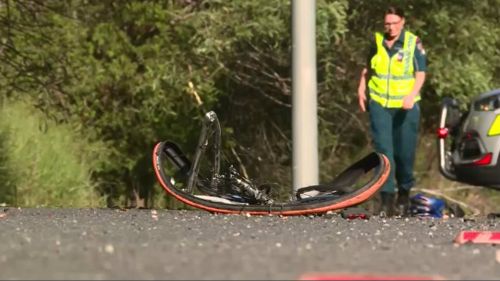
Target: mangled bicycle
[[222, 188]]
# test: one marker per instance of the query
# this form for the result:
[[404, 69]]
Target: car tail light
[[485, 160], [442, 133]]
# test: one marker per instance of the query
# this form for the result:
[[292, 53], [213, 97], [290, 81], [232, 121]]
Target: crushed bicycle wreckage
[[229, 192]]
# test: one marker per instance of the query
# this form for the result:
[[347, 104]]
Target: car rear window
[[488, 104]]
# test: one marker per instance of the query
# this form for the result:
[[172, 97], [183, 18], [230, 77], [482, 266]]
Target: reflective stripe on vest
[[392, 77]]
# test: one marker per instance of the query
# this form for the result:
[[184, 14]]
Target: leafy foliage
[[131, 73], [45, 164]]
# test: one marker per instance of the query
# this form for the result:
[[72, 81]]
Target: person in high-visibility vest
[[392, 78]]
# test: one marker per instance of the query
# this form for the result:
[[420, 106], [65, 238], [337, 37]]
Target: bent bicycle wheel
[[353, 186]]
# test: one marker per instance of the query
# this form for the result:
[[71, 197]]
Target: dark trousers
[[394, 133]]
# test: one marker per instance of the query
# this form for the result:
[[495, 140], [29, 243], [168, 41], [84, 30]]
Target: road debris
[[352, 276], [480, 237], [154, 215], [109, 249], [355, 213]]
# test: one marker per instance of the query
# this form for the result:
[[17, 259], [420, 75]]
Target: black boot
[[386, 204], [403, 202]]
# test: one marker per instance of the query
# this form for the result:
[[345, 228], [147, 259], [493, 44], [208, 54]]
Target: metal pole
[[304, 103]]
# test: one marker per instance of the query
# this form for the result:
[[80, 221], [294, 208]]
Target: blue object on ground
[[425, 206]]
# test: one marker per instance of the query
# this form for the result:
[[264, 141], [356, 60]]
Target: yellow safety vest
[[392, 77]]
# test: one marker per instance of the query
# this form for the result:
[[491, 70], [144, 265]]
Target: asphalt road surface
[[166, 244]]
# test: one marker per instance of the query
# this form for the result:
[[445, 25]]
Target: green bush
[[43, 163]]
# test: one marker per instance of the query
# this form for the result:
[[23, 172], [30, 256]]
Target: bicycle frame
[[210, 121], [220, 189]]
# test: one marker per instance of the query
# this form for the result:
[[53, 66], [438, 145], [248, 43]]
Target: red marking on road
[[348, 276], [483, 237]]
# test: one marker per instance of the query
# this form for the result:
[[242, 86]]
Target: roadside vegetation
[[88, 88]]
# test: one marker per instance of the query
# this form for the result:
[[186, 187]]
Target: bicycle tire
[[375, 162]]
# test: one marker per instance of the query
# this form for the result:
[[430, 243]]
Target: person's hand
[[408, 102], [362, 100]]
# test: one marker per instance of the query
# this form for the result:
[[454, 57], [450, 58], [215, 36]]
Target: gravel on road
[[170, 244]]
